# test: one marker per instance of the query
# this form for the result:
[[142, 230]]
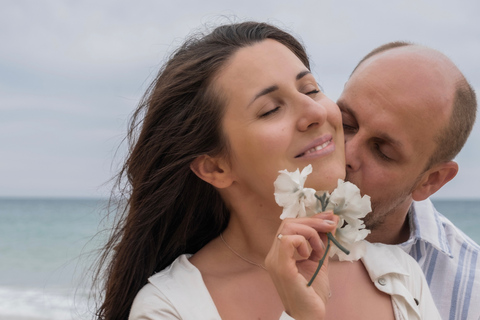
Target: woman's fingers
[[313, 230], [293, 259], [303, 238], [322, 222]]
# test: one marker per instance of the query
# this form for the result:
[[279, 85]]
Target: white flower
[[345, 201], [351, 207], [290, 194]]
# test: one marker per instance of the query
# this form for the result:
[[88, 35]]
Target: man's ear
[[213, 170], [434, 179]]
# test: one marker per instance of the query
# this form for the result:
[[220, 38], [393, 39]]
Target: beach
[[47, 246]]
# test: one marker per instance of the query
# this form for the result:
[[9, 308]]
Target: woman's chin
[[325, 181]]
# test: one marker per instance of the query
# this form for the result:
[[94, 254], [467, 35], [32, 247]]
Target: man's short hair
[[452, 137]]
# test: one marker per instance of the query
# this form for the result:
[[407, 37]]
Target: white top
[[449, 259], [178, 292]]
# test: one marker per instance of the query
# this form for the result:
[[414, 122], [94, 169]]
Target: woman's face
[[276, 118]]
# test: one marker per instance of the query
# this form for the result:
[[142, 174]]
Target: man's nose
[[352, 153]]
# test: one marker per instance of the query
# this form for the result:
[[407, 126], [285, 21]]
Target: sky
[[72, 72]]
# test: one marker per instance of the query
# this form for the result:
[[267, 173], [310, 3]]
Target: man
[[407, 111]]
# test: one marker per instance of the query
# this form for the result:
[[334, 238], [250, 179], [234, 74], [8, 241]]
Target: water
[[465, 214], [44, 246]]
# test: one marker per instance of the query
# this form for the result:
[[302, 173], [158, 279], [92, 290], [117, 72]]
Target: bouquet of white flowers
[[345, 201]]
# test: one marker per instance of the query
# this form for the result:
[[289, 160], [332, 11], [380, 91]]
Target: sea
[[48, 245]]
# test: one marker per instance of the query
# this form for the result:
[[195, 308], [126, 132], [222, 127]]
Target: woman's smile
[[321, 146]]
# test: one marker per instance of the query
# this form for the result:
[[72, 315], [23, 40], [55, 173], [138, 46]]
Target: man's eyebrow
[[384, 136], [389, 139], [344, 108]]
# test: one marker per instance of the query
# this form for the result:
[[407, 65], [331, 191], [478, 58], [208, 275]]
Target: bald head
[[448, 103]]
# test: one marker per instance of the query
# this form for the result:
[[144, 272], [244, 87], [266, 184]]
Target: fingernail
[[329, 222]]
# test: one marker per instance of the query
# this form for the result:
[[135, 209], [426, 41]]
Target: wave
[[18, 303]]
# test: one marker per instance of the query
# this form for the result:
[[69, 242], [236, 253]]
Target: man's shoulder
[[431, 225], [449, 259], [437, 244]]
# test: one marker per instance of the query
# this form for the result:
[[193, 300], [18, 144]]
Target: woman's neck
[[252, 233], [254, 221]]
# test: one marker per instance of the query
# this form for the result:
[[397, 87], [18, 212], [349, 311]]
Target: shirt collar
[[380, 261], [388, 268], [426, 226]]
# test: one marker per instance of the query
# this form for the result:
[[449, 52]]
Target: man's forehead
[[412, 67], [417, 93]]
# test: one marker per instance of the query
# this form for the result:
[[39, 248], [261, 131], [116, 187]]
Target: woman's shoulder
[[173, 275], [156, 299], [164, 296]]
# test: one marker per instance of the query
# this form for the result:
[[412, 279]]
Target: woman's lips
[[318, 145]]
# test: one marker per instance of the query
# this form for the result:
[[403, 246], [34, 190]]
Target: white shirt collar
[[387, 266], [381, 261]]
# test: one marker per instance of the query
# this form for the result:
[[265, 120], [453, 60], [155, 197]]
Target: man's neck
[[395, 229], [391, 237]]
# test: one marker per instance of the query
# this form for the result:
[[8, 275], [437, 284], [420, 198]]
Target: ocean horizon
[[48, 244]]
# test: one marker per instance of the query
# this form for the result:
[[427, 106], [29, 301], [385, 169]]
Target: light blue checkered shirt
[[449, 259]]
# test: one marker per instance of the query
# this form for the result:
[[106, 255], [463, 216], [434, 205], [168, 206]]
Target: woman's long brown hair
[[168, 211]]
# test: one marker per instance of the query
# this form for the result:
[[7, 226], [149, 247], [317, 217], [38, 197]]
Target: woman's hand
[[293, 259]]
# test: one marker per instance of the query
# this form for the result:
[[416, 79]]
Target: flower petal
[[290, 194], [347, 202]]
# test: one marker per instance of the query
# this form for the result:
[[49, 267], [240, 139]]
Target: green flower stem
[[320, 263], [324, 202], [331, 238]]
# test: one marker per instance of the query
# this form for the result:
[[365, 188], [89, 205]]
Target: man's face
[[390, 115]]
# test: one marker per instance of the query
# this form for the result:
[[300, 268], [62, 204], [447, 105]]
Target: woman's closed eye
[[310, 91], [315, 91], [270, 112]]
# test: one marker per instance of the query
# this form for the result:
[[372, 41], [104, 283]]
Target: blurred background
[[71, 72]]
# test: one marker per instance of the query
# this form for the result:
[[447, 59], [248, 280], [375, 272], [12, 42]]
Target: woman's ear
[[213, 170], [434, 179]]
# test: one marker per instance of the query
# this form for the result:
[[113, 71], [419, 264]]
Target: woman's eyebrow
[[275, 87], [302, 74], [264, 92]]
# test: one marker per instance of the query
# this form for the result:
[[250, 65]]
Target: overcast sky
[[71, 72]]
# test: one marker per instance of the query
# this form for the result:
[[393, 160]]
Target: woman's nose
[[311, 114]]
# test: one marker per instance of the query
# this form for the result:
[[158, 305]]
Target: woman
[[225, 114]]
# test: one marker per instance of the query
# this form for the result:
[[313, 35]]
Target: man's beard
[[381, 211]]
